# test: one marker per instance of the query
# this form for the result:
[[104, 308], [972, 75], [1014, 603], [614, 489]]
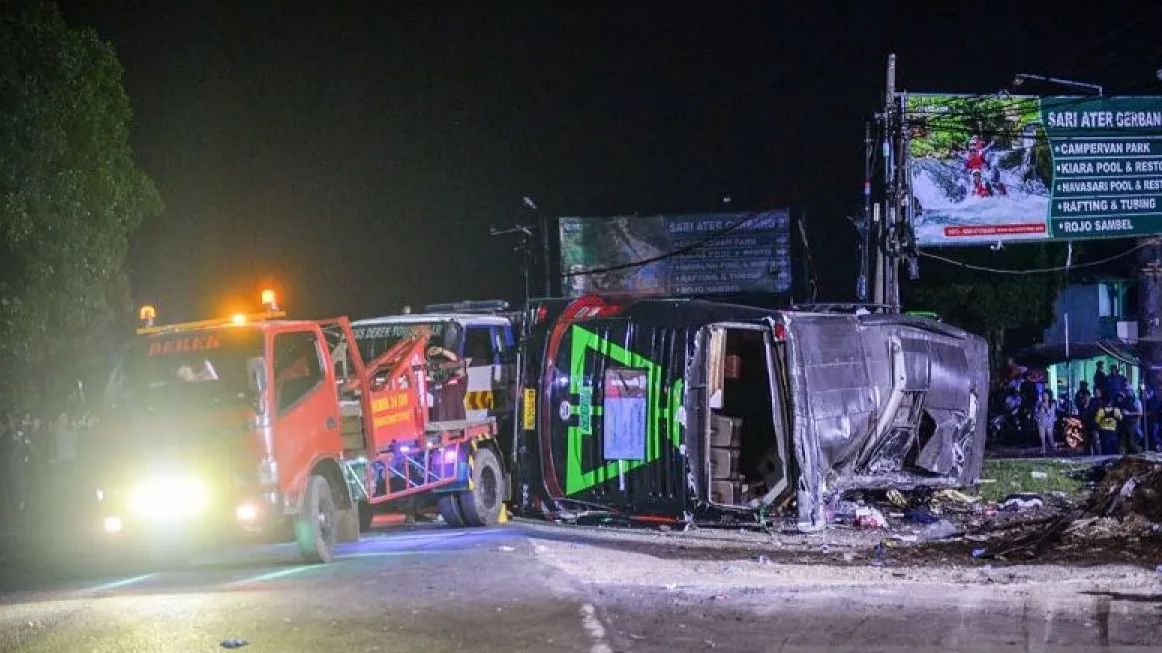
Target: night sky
[[355, 155]]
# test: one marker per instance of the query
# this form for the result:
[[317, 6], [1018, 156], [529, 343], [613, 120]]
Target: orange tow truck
[[258, 425]]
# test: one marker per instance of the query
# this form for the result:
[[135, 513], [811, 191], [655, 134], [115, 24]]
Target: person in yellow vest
[[1108, 418]]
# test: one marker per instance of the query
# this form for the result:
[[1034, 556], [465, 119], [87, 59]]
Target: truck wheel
[[449, 509], [317, 526], [366, 514], [481, 506]]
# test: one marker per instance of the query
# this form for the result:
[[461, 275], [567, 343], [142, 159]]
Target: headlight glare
[[169, 498]]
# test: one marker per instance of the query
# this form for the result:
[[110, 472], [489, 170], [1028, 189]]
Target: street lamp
[[1021, 78]]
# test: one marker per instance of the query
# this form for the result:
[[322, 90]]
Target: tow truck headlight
[[169, 498]]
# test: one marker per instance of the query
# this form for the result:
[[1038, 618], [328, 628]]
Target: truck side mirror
[[256, 379]]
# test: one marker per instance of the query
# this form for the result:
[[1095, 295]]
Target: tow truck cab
[[219, 429]]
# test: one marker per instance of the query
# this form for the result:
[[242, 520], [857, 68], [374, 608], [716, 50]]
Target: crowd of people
[[1104, 416]]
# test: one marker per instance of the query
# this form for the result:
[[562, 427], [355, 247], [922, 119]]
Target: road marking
[[388, 554], [112, 585], [270, 575], [595, 629]]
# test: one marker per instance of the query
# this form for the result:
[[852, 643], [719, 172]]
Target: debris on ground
[[1021, 501], [939, 530], [897, 498], [1126, 503], [869, 517], [234, 643]]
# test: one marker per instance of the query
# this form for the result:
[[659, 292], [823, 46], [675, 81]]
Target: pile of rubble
[[1125, 504]]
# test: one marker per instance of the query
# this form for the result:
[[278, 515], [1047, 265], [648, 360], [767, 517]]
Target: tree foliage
[[988, 303], [70, 195]]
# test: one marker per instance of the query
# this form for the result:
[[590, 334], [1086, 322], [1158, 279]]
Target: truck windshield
[[374, 339], [200, 368]]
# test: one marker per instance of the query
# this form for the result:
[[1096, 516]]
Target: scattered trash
[[720, 597], [731, 569], [849, 556], [880, 550], [823, 548], [955, 496], [1021, 501], [845, 511], [985, 481], [897, 498], [1041, 476], [710, 643], [234, 643], [670, 587], [763, 560], [921, 515], [868, 517], [505, 547], [939, 530], [976, 553], [1158, 569], [976, 537]]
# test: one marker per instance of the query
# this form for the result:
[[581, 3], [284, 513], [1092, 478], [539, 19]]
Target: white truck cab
[[475, 332]]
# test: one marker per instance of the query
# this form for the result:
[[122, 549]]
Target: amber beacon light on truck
[[147, 315]]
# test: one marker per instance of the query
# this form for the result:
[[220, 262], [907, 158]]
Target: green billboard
[[995, 168]]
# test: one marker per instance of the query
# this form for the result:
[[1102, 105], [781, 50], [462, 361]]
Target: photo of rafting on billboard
[[980, 168]]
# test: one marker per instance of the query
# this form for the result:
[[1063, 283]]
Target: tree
[[70, 195], [988, 303]]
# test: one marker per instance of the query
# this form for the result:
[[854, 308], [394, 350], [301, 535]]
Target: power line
[[1061, 268]]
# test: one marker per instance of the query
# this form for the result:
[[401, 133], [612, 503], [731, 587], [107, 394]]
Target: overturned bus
[[689, 410]]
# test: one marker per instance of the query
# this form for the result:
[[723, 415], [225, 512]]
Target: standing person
[[1046, 417], [1082, 391], [1108, 418], [1153, 406], [1116, 382], [1132, 424], [1089, 419], [1099, 379]]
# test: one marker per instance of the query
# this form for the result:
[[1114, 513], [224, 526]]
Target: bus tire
[[317, 525], [483, 504], [449, 509]]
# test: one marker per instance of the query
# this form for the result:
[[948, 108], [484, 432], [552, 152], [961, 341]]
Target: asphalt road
[[531, 587]]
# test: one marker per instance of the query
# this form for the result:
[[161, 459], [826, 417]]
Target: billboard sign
[[697, 254], [995, 168]]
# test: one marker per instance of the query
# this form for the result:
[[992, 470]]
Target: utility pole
[[543, 225], [526, 234], [887, 261], [866, 223]]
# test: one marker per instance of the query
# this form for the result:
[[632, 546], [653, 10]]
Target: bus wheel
[[317, 526], [449, 509], [482, 505]]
